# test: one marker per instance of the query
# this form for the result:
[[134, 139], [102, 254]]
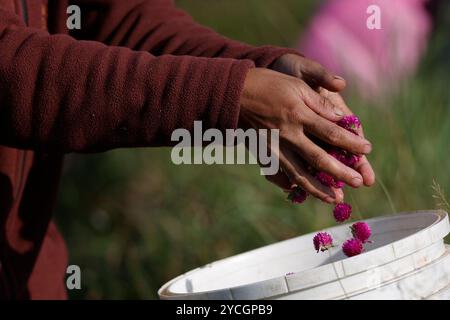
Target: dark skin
[[299, 97]]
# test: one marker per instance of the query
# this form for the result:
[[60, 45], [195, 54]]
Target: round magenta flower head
[[328, 180], [352, 247], [297, 195], [322, 241], [351, 159], [339, 184], [361, 231], [342, 211], [351, 123], [347, 158]]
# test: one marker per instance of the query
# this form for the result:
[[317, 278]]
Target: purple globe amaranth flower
[[352, 247], [297, 195], [328, 180], [351, 123], [361, 231], [351, 159], [339, 184], [342, 211], [322, 241], [347, 158]]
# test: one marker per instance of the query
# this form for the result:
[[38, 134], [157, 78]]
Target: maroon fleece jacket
[[137, 70]]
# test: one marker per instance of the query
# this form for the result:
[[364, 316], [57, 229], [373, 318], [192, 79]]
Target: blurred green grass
[[133, 220]]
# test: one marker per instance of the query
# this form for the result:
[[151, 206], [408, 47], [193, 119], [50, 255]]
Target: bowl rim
[[410, 244]]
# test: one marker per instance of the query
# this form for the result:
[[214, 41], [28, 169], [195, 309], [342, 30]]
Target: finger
[[320, 104], [336, 99], [339, 195], [322, 161], [365, 169], [316, 75], [281, 180], [334, 135], [300, 176], [339, 103]]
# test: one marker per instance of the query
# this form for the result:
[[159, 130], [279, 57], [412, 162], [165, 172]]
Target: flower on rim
[[322, 241], [342, 211], [361, 231], [297, 195], [352, 247]]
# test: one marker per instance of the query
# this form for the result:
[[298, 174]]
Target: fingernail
[[338, 112], [340, 197], [367, 148], [338, 78], [357, 181], [329, 199]]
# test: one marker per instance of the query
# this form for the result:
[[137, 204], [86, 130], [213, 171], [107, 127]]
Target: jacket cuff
[[229, 114]]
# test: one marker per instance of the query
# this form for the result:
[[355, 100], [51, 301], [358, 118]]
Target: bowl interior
[[294, 255]]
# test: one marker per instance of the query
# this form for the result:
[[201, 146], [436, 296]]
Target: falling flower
[[328, 180], [361, 231], [342, 211], [352, 247], [351, 123], [297, 195], [322, 241]]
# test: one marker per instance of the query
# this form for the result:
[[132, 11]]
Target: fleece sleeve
[[157, 26], [58, 93]]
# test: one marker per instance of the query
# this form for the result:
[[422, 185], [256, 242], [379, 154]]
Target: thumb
[[315, 75]]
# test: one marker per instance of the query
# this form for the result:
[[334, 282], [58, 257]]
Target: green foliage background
[[133, 220]]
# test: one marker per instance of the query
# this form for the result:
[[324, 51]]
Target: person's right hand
[[271, 100]]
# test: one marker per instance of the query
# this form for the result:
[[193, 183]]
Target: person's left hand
[[312, 72]]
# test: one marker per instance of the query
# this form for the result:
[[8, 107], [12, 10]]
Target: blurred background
[[133, 220]]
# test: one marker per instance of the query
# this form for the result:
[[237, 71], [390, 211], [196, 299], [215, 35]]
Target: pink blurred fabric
[[373, 61]]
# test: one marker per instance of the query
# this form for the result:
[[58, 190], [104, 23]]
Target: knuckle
[[346, 176], [323, 101], [318, 161], [325, 104], [334, 135], [293, 115], [311, 122], [300, 89]]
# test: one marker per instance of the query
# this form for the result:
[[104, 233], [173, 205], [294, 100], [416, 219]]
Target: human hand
[[327, 84], [312, 72], [271, 100], [363, 166]]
